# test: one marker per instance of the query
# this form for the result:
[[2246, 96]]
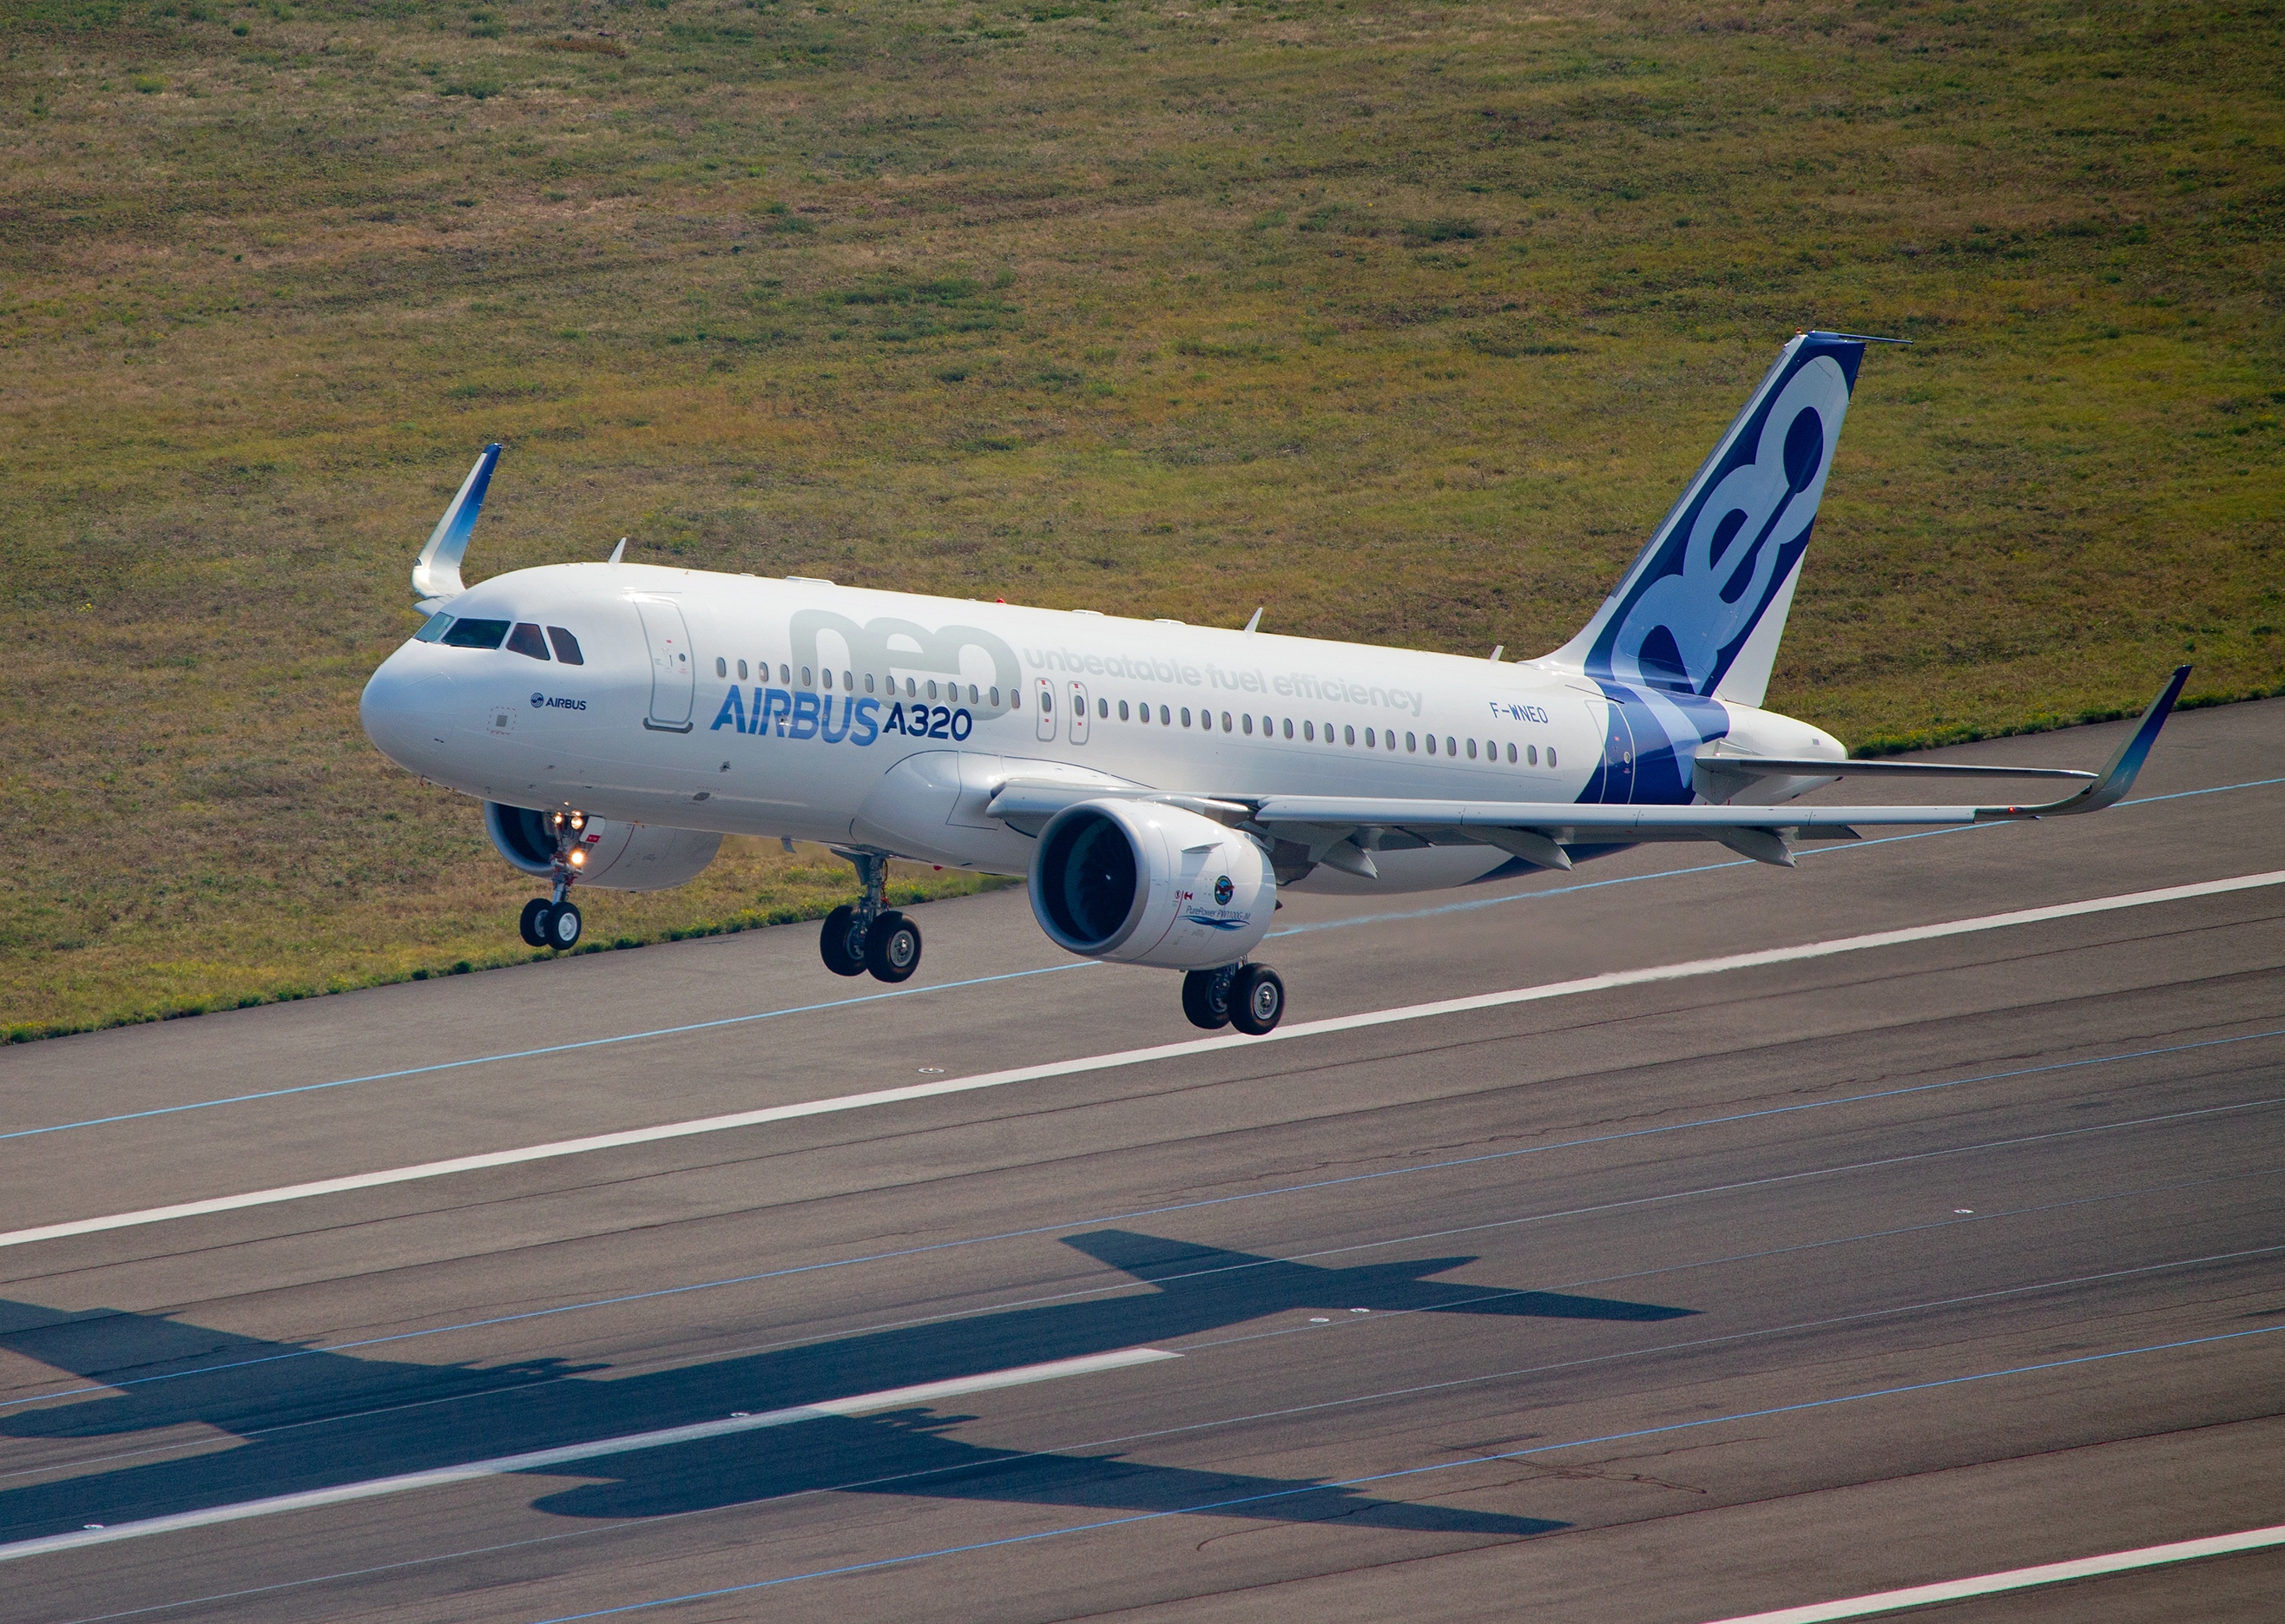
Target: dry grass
[[1404, 322]]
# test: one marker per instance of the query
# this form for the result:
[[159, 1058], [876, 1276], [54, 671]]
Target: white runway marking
[[542, 1460], [2019, 1579], [1605, 982]]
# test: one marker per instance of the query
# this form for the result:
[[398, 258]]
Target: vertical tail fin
[[1701, 609]]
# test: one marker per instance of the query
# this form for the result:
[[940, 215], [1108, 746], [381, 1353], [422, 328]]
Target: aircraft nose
[[404, 710]]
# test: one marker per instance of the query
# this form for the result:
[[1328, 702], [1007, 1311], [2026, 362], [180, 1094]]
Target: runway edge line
[[2018, 1578], [1608, 981]]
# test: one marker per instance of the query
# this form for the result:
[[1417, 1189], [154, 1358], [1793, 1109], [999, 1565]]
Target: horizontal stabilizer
[[1814, 766]]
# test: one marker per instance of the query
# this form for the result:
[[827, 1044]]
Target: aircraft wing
[[1344, 830]]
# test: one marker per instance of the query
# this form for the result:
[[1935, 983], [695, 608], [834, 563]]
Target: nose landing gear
[[870, 935], [554, 921], [1249, 997]]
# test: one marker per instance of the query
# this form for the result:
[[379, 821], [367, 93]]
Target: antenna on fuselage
[[1498, 650], [619, 552], [1255, 621]]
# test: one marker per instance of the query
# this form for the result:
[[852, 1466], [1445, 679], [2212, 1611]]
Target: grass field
[[1406, 321]]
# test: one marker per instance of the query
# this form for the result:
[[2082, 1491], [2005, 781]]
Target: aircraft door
[[1044, 693], [673, 673], [1079, 713], [1617, 775]]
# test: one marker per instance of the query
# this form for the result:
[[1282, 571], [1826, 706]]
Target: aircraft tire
[[839, 944], [893, 951], [1206, 999], [1256, 1000], [562, 925], [530, 926]]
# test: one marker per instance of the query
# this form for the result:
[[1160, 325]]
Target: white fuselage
[[886, 721]]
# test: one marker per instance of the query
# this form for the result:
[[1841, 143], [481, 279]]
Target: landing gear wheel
[[892, 950], [1256, 1000], [841, 944], [1206, 997], [531, 926], [561, 925]]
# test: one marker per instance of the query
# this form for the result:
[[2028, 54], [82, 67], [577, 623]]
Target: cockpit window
[[475, 634], [525, 639], [567, 647], [433, 628]]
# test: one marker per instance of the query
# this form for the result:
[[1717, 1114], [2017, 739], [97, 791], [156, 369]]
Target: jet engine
[[612, 855], [1136, 882]]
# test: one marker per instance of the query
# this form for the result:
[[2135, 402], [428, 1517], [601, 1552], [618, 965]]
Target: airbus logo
[[544, 702]]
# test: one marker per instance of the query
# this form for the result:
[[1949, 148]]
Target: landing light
[[578, 859]]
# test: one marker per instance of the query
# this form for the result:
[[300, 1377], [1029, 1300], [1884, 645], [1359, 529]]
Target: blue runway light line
[[552, 1049], [1063, 1225], [1469, 905], [1404, 1473]]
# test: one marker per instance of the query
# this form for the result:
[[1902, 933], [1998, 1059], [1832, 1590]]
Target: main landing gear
[[1249, 997], [870, 935], [554, 921]]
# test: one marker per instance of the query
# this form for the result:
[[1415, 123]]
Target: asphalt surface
[[1669, 1302]]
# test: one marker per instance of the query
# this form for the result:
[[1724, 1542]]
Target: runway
[[1522, 1273]]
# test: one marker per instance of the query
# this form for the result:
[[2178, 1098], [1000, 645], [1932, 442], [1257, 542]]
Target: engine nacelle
[[612, 855], [1136, 882]]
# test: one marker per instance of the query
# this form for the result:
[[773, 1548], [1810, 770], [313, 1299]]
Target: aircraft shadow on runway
[[306, 1419]]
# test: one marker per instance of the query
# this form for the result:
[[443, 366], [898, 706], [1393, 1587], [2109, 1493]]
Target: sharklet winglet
[[436, 572]]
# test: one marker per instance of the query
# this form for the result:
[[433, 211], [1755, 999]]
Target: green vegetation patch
[[1405, 322]]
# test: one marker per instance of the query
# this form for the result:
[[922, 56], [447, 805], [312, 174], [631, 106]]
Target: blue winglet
[[436, 572], [2116, 779]]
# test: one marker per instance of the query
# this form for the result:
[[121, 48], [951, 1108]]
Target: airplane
[[1157, 784]]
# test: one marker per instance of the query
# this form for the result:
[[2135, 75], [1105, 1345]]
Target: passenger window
[[911, 688], [828, 678], [722, 666], [1103, 709], [1511, 755], [433, 628], [995, 693], [1165, 719], [1472, 749], [1410, 743], [1122, 711], [1451, 749], [1550, 755], [1531, 754], [785, 674], [1348, 735], [1432, 744], [1289, 726], [868, 687], [741, 670], [475, 634], [1225, 727], [1249, 722], [849, 681], [1186, 716]]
